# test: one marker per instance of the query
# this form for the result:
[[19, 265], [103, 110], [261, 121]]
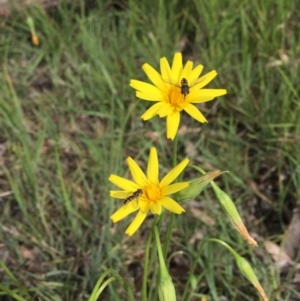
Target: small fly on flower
[[185, 89], [184, 85], [136, 195]]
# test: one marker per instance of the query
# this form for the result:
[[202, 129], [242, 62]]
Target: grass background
[[69, 119]]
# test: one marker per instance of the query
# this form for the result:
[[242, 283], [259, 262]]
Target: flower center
[[175, 98], [152, 193]]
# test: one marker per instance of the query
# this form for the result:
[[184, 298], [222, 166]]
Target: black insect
[[135, 195], [184, 85], [185, 89]]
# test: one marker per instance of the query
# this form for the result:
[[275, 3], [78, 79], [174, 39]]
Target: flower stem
[[168, 235], [171, 223], [158, 247], [146, 262]]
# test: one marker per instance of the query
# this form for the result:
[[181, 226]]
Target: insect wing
[[196, 81], [134, 196], [189, 84], [120, 194], [134, 203], [171, 82]]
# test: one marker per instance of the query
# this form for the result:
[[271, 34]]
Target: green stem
[[168, 235], [146, 263], [171, 223], [157, 221], [146, 267], [159, 251]]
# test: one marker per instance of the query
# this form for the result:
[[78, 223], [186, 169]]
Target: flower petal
[[152, 168], [156, 208], [196, 98], [165, 110], [144, 87], [137, 173], [152, 111], [155, 77], [123, 183], [144, 205], [123, 212], [118, 194], [149, 96], [176, 67], [195, 74], [187, 70], [203, 95], [173, 174], [135, 224], [173, 188], [173, 121], [171, 205], [208, 77], [195, 113], [165, 69]]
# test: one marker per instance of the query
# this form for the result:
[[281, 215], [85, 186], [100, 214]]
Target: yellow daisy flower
[[175, 89], [146, 193]]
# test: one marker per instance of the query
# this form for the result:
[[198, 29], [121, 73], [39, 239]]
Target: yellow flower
[[171, 95], [154, 194]]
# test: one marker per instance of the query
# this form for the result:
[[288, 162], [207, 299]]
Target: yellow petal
[[138, 220], [176, 67], [123, 183], [117, 194], [208, 77], [152, 168], [155, 77], [173, 174], [165, 110], [156, 208], [197, 99], [165, 69], [149, 96], [152, 111], [144, 205], [123, 212], [187, 70], [171, 205], [195, 74], [144, 87], [173, 121], [203, 95], [136, 173], [173, 188], [195, 113]]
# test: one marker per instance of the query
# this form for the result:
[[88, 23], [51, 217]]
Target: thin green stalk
[[146, 262], [159, 250], [165, 286], [146, 265], [168, 235], [171, 223]]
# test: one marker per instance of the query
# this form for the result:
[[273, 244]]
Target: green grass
[[69, 119]]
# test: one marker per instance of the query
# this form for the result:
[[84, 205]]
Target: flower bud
[[196, 186], [166, 290], [228, 206], [248, 272]]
